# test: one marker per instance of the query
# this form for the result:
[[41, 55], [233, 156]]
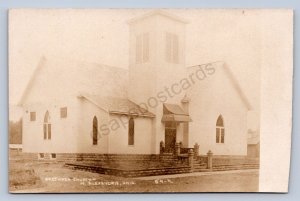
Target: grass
[[22, 177], [34, 177]]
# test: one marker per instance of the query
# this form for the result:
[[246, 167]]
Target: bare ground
[[41, 177]]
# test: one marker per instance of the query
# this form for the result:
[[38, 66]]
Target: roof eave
[[131, 114], [93, 102], [237, 87]]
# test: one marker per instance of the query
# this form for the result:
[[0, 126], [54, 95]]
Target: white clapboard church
[[79, 107]]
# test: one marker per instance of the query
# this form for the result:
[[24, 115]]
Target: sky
[[102, 36]]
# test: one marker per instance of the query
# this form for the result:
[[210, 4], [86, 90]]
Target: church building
[[157, 104]]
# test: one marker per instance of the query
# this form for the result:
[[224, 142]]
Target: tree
[[15, 132]]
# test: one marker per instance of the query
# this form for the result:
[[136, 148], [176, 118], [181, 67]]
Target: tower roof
[[157, 12]]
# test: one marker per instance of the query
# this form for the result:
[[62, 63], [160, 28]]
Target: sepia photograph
[[137, 100]]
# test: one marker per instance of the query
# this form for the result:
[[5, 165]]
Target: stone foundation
[[135, 165], [130, 173]]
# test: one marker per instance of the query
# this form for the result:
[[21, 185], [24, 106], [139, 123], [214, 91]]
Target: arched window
[[131, 132], [220, 130], [47, 127], [95, 131]]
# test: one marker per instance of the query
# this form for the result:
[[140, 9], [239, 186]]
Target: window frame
[[131, 131], [142, 48], [41, 156], [220, 130], [51, 156], [95, 135], [32, 116], [47, 127], [172, 48], [64, 112]]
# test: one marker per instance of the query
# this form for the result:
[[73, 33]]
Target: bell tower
[[156, 56], [156, 65]]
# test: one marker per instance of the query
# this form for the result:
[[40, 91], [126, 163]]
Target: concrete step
[[235, 166], [198, 165], [201, 170]]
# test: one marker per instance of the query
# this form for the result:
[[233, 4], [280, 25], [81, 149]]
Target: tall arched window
[[47, 127], [220, 130], [95, 131], [131, 132]]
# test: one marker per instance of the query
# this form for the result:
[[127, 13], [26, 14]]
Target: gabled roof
[[32, 79], [173, 109], [232, 79], [157, 12], [60, 78], [237, 86], [120, 106], [174, 113]]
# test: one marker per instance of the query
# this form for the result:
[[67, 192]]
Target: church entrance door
[[170, 137]]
